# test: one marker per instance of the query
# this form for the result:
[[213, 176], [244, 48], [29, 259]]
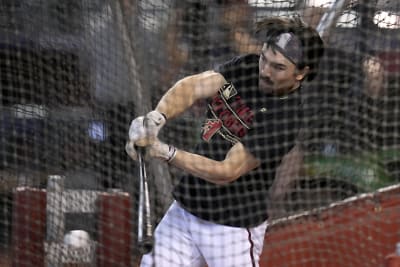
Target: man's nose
[[266, 71]]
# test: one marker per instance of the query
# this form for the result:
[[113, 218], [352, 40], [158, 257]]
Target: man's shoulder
[[239, 67], [248, 60]]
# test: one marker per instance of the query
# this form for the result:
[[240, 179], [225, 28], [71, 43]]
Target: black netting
[[73, 75]]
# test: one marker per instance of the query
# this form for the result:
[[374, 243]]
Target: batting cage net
[[74, 74]]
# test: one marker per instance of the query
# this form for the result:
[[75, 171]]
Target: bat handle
[[140, 154], [141, 150], [145, 227]]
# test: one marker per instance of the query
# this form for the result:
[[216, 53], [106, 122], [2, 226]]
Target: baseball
[[77, 238]]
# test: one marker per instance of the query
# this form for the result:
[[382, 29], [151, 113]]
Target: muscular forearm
[[176, 100], [199, 166], [187, 91], [236, 163]]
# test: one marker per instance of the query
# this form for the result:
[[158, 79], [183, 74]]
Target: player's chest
[[232, 114]]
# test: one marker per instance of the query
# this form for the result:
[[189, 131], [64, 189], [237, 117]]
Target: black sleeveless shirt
[[266, 125]]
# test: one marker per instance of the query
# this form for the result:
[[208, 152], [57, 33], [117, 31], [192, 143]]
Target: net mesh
[[73, 74]]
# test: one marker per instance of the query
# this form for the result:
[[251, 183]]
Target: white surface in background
[[77, 239]]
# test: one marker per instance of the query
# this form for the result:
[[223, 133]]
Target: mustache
[[266, 79]]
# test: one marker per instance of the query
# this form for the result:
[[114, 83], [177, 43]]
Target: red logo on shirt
[[231, 116], [210, 127]]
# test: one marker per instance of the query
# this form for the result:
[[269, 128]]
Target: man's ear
[[301, 74]]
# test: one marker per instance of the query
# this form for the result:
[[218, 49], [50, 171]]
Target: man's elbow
[[227, 176], [227, 171]]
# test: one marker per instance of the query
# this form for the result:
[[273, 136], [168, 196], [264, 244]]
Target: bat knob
[[146, 246]]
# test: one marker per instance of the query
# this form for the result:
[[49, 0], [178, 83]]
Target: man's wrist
[[171, 153], [162, 151], [165, 116]]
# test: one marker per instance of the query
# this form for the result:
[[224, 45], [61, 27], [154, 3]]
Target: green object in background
[[389, 155], [368, 172]]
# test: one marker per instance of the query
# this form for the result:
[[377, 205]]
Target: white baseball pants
[[182, 239]]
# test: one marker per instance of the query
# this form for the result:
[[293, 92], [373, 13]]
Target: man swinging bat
[[219, 215]]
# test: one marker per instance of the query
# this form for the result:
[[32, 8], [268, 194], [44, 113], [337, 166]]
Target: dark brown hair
[[313, 46]]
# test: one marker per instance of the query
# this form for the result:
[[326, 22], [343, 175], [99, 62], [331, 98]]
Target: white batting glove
[[157, 150], [131, 151], [137, 130], [139, 134], [154, 121], [144, 130], [161, 151]]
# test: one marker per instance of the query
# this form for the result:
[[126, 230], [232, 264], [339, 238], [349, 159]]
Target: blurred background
[[73, 74]]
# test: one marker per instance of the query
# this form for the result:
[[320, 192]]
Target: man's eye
[[280, 67]]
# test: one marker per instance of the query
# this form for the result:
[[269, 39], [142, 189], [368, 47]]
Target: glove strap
[[171, 153], [165, 116]]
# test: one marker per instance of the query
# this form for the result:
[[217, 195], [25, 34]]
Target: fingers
[[153, 122], [143, 132], [162, 151], [139, 133], [156, 119], [157, 150], [144, 129], [130, 150], [137, 130]]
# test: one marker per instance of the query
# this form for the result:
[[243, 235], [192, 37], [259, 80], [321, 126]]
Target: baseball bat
[[145, 226]]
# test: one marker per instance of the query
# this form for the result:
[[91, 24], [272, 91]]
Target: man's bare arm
[[188, 90], [237, 162]]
